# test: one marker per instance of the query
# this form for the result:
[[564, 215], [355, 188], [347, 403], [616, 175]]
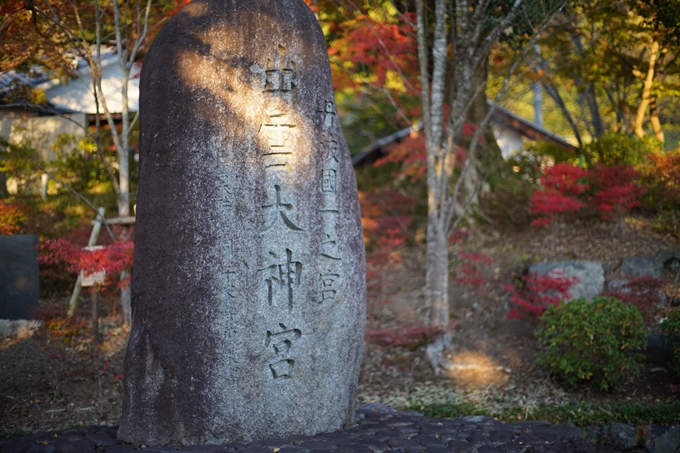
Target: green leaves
[[592, 342], [671, 327]]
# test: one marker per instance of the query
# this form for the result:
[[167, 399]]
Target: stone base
[[378, 429]]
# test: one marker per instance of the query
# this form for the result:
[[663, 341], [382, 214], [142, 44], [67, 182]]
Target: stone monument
[[248, 284]]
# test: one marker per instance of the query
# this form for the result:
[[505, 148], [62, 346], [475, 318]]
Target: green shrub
[[620, 149], [592, 342], [529, 163], [671, 327], [667, 222]]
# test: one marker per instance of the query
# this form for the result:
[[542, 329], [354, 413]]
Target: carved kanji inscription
[[330, 115], [329, 248], [281, 275], [278, 133], [281, 341], [328, 286], [278, 212], [329, 181], [224, 194], [332, 146], [279, 77]]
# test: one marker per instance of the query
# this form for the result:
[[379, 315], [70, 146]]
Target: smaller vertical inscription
[[329, 248], [282, 342], [223, 193], [329, 181], [333, 147], [230, 284], [330, 114], [328, 286]]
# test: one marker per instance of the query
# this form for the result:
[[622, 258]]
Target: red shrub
[[565, 178], [643, 292], [617, 191], [112, 258], [615, 202], [548, 204], [538, 292]]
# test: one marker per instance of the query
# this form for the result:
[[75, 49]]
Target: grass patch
[[9, 434], [579, 414]]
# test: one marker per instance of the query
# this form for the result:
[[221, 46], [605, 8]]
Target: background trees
[[605, 68], [59, 34]]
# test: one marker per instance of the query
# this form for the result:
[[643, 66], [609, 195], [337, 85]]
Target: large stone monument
[[248, 284]]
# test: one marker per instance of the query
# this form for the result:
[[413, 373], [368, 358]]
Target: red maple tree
[[538, 292], [111, 259], [562, 184], [616, 191]]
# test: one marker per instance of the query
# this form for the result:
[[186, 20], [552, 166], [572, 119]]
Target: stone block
[[663, 439], [642, 266], [590, 275], [621, 436], [19, 285]]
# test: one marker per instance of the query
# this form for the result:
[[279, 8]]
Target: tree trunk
[[437, 275], [646, 90], [95, 316], [124, 148], [124, 185], [126, 299], [552, 91], [3, 185], [654, 120], [595, 117], [489, 156], [537, 91], [537, 88]]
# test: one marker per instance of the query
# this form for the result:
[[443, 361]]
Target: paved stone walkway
[[378, 429]]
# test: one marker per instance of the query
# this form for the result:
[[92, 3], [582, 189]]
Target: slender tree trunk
[[646, 90], [124, 185], [126, 60], [537, 89], [126, 299], [552, 91], [590, 95], [595, 117], [490, 158], [124, 196], [95, 316], [124, 151], [3, 185], [437, 275], [433, 123], [654, 120]]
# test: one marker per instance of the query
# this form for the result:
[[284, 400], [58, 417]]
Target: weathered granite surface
[[643, 266], [248, 285], [590, 275], [378, 429]]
